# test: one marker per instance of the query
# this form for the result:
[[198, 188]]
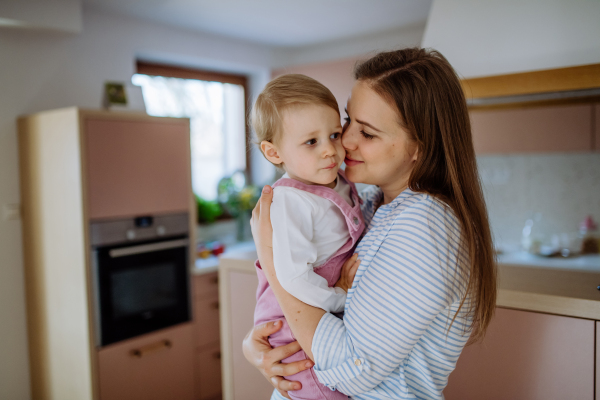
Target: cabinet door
[[156, 366], [137, 167], [527, 130], [527, 355], [208, 373], [206, 321], [238, 299]]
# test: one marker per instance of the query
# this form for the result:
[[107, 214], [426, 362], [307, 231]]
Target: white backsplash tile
[[563, 188]]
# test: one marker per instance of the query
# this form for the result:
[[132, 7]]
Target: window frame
[[171, 71]]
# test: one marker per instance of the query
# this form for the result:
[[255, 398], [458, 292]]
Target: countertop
[[526, 282]]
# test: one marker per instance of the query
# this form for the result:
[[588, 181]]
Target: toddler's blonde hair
[[282, 93]]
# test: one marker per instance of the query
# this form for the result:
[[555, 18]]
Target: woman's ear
[[271, 153]]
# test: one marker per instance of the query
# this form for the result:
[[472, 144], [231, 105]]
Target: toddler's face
[[311, 147]]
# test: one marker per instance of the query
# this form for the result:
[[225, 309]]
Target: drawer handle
[[217, 355], [214, 305], [151, 348]]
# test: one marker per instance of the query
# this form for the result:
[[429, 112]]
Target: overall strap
[[352, 214]]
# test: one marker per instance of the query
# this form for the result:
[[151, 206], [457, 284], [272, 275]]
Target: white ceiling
[[286, 23]]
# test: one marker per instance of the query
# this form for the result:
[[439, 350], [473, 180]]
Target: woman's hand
[[262, 230], [259, 353], [348, 272]]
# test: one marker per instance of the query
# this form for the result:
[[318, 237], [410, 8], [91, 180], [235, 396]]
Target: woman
[[427, 277]]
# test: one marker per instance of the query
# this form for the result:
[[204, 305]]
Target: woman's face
[[378, 150]]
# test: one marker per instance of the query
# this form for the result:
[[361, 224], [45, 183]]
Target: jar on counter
[[588, 231]]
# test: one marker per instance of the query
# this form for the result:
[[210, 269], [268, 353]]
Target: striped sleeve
[[409, 279]]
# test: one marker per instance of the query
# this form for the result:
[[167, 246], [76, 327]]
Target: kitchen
[[49, 70]]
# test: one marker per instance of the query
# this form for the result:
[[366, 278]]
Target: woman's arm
[[259, 353]]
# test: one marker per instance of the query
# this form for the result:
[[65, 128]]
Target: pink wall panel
[[544, 129], [336, 75], [137, 167], [527, 355]]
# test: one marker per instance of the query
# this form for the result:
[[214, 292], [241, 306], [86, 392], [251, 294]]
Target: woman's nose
[[349, 138]]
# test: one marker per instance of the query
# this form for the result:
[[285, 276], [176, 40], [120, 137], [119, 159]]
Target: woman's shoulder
[[430, 213]]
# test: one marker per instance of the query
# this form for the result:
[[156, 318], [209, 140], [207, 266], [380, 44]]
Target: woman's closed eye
[[366, 135]]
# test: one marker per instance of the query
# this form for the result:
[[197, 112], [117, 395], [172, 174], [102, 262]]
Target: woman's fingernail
[[267, 189], [276, 323], [308, 364]]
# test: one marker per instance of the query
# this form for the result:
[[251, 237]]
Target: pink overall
[[267, 307]]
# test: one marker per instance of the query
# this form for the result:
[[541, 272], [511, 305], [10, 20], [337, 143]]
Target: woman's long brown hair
[[426, 91]]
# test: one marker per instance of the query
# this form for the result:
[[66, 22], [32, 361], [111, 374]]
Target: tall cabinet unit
[[79, 167]]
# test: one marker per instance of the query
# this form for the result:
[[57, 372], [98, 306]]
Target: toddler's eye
[[311, 142], [335, 136]]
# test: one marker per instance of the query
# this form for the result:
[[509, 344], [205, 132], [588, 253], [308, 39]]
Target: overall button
[[355, 221]]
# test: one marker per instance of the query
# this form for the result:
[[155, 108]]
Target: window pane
[[217, 124]]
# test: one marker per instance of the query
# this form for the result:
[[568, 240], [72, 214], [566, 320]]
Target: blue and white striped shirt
[[395, 341]]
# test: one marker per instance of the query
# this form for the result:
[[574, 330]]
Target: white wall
[[355, 47], [482, 38], [46, 70], [60, 15]]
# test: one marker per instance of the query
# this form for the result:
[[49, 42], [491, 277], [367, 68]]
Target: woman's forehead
[[366, 104]]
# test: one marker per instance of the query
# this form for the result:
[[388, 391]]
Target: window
[[215, 104]]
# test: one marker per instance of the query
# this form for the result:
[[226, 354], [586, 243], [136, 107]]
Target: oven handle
[[147, 248]]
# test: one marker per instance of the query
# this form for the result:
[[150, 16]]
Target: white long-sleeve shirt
[[308, 230]]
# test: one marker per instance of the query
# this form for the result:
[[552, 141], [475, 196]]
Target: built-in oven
[[141, 275]]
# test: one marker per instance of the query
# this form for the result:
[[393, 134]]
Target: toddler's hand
[[348, 272]]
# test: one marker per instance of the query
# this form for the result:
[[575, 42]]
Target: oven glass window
[[142, 291]]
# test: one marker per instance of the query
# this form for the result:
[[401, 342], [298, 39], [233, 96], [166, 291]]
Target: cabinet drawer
[[156, 366], [206, 321], [206, 286], [208, 373]]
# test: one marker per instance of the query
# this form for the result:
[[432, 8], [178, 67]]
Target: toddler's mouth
[[330, 166]]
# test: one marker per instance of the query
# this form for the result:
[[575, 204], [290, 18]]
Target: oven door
[[141, 288]]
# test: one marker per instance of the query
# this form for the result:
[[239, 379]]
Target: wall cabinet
[[565, 128], [207, 347], [528, 355]]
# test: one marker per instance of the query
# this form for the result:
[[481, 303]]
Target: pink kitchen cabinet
[[156, 366], [565, 128], [137, 166], [528, 355], [207, 343]]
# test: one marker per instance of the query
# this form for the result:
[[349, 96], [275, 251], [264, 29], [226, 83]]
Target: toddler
[[315, 212]]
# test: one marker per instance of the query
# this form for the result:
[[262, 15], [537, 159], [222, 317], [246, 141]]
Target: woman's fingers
[[263, 331], [283, 352], [290, 369], [283, 386]]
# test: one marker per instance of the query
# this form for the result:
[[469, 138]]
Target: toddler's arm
[[294, 253]]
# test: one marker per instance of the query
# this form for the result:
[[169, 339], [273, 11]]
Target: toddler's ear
[[270, 152]]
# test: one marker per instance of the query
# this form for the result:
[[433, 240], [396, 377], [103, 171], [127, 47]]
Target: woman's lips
[[350, 162]]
